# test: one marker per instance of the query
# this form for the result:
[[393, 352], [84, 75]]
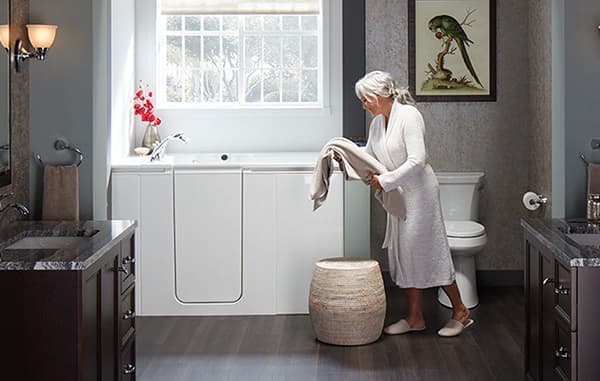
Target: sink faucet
[[160, 147], [18, 206]]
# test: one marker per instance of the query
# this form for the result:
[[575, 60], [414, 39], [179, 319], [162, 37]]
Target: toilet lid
[[464, 229]]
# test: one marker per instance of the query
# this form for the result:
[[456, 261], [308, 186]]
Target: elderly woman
[[418, 252]]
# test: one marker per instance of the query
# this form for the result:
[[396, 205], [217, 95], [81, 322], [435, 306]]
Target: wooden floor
[[284, 348]]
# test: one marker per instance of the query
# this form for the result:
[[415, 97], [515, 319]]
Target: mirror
[[4, 93]]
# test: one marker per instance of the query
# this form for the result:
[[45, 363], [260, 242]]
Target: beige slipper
[[401, 327], [454, 327]]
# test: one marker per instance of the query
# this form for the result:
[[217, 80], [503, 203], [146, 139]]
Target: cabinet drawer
[[127, 263], [127, 369], [563, 291], [127, 316], [562, 352]]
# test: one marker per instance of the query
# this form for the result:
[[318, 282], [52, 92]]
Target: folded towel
[[593, 178], [61, 193], [356, 164]]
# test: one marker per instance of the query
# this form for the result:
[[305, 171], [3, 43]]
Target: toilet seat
[[464, 229]]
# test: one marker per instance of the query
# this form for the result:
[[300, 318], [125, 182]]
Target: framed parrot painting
[[452, 50]]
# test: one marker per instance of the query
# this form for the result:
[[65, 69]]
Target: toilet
[[459, 196]]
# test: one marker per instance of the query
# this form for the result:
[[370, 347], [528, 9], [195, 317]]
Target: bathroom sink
[[578, 226], [36, 243], [59, 240], [585, 239]]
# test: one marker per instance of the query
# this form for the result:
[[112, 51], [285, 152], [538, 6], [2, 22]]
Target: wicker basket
[[347, 301]]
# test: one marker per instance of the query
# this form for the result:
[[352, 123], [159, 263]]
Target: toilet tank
[[459, 194]]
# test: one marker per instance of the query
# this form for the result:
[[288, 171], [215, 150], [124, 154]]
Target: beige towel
[[356, 164], [61, 193], [593, 178]]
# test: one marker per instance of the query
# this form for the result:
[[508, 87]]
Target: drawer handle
[[128, 315], [128, 260], [561, 290], [129, 368], [547, 280], [561, 353], [123, 270]]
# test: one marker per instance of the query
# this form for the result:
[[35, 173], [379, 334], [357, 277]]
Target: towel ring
[[61, 145]]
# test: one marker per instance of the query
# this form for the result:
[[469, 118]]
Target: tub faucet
[[160, 147], [18, 206]]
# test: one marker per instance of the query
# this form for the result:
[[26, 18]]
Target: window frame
[[322, 68]]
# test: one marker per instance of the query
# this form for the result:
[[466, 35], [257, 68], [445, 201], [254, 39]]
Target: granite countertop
[[87, 242], [575, 243]]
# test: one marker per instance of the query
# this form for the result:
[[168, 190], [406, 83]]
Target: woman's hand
[[375, 181]]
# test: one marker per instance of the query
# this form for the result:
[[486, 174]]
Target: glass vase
[[150, 136]]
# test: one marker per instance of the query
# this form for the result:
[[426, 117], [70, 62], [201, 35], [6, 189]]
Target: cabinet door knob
[[123, 270], [547, 280], [561, 353], [128, 260], [561, 290], [128, 315], [128, 369]]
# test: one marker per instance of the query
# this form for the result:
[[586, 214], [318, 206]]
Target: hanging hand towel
[[61, 193], [593, 178], [356, 164]]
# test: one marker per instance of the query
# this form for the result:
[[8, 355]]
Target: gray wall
[[582, 81], [558, 108], [61, 94], [491, 137]]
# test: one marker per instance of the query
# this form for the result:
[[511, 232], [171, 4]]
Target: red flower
[[144, 107]]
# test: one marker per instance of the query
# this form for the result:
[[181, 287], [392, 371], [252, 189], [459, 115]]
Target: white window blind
[[225, 7]]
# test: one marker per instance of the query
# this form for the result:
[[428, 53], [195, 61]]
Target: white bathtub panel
[[279, 223], [304, 236], [208, 235], [155, 256]]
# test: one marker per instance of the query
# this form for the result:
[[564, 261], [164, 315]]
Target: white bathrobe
[[418, 250]]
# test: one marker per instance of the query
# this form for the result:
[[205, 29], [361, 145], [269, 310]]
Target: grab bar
[[61, 145]]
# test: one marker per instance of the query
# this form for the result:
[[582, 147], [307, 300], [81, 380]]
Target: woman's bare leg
[[415, 315], [415, 307], [460, 312]]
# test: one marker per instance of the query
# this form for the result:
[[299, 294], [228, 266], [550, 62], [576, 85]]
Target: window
[[270, 54]]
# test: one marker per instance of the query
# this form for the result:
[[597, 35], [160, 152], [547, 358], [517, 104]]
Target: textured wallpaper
[[492, 137], [540, 92]]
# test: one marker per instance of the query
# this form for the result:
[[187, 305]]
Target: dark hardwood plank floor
[[284, 347]]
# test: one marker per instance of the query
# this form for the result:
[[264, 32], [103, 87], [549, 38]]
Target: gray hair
[[383, 84]]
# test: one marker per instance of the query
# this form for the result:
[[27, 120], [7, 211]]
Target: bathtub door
[[208, 235]]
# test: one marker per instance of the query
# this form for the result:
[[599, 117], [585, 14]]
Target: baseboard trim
[[485, 278]]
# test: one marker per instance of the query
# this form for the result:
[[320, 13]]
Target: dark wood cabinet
[[562, 309], [71, 324]]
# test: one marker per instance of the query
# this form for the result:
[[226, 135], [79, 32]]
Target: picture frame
[[452, 50]]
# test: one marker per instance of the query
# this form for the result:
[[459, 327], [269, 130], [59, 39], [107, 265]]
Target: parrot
[[445, 25]]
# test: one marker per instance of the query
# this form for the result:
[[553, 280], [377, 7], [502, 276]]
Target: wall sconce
[[4, 36], [41, 38]]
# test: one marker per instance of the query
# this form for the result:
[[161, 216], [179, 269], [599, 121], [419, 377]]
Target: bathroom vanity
[[228, 234], [68, 306], [562, 281]]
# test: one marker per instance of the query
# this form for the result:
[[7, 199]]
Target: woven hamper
[[347, 301]]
